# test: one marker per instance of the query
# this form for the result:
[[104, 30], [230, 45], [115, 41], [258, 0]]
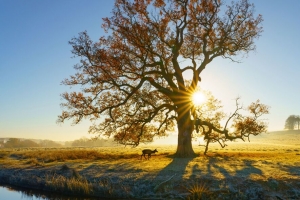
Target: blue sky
[[35, 57]]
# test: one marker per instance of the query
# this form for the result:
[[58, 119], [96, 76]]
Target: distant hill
[[25, 142], [83, 142], [273, 137], [286, 137], [285, 132]]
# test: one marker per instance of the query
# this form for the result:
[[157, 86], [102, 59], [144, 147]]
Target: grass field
[[266, 168]]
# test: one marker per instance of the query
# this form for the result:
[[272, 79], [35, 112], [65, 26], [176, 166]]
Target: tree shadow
[[177, 166], [245, 169], [222, 175], [170, 177], [293, 170], [204, 173], [249, 169], [95, 171]]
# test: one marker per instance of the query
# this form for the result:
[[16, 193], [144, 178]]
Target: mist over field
[[274, 138]]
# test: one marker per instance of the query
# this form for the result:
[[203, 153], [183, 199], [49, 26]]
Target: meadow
[[266, 168]]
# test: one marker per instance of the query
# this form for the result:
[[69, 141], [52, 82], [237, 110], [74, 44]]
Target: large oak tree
[[132, 79]]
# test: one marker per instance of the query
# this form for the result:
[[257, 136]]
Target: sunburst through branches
[[198, 98]]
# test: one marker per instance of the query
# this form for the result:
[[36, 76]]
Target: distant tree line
[[83, 142], [20, 143], [292, 122], [49, 143]]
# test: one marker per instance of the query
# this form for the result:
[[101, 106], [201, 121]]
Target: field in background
[[266, 168]]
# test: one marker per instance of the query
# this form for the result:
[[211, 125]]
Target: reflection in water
[[14, 193]]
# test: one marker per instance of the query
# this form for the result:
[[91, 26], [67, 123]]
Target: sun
[[198, 98]]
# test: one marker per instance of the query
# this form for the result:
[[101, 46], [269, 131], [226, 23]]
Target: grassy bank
[[242, 171]]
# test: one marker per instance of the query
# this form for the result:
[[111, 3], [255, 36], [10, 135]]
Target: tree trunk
[[206, 147], [184, 145]]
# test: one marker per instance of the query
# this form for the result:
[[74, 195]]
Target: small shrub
[[4, 154], [33, 161], [65, 167]]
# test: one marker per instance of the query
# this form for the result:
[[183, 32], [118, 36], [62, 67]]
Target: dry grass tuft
[[69, 185], [198, 191]]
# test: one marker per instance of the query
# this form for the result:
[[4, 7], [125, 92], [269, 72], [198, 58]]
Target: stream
[[16, 193]]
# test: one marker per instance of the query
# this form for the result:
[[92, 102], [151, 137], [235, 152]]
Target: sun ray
[[198, 98]]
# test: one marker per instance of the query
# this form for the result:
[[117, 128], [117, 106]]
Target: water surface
[[16, 193]]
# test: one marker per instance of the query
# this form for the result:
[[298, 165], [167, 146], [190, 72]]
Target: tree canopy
[[213, 124], [133, 79], [292, 121]]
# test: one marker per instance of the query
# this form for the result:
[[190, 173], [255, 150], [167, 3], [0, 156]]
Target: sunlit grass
[[266, 164], [61, 155], [116, 171]]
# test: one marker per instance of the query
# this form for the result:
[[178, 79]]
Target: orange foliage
[[132, 80]]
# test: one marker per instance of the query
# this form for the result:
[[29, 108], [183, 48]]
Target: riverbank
[[243, 171], [9, 192]]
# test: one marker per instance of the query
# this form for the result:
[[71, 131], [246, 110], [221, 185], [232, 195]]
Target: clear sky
[[35, 57]]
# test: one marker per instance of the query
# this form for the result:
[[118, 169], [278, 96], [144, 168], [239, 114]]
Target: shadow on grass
[[221, 177], [168, 180], [176, 167], [241, 168], [200, 175], [294, 170], [96, 171]]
